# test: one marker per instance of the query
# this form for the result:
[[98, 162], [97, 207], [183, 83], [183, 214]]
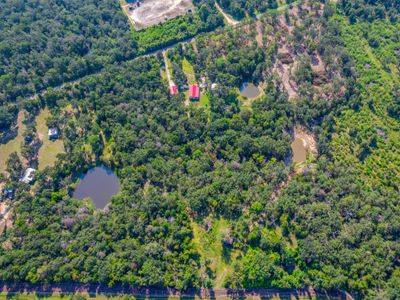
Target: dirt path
[[259, 36], [170, 82], [5, 216], [228, 19]]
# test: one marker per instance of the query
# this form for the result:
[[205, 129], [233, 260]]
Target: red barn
[[194, 92], [173, 90]]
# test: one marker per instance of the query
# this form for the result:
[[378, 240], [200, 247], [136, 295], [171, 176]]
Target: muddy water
[[99, 184], [299, 151], [249, 90]]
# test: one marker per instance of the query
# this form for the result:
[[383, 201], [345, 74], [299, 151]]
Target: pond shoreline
[[98, 183]]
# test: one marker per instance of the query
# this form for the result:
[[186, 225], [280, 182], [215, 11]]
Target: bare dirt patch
[[5, 216], [152, 12], [259, 37]]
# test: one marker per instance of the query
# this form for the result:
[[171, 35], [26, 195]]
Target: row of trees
[[239, 9]]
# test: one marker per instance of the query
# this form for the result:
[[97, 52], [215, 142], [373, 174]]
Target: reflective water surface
[[99, 184]]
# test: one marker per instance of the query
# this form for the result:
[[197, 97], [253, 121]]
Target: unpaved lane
[[228, 19]]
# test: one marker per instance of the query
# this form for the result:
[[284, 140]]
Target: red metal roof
[[173, 90], [194, 91]]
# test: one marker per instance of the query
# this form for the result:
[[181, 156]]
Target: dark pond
[[99, 184], [249, 90]]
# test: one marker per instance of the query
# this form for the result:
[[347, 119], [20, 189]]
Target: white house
[[29, 176]]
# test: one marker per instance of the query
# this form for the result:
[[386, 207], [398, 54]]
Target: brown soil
[[259, 36], [5, 216], [284, 72]]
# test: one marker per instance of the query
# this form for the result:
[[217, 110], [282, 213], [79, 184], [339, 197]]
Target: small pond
[[249, 90], [99, 184], [299, 151]]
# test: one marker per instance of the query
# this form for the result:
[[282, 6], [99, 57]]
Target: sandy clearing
[[153, 12]]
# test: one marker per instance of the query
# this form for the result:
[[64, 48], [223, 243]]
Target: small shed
[[53, 133], [29, 176], [8, 194], [173, 89], [194, 92]]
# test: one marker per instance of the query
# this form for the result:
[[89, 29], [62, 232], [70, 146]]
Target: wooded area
[[209, 195]]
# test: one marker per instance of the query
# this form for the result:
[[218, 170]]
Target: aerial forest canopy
[[211, 194], [47, 43]]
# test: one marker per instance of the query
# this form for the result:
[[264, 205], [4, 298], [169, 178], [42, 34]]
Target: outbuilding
[[53, 133], [8, 194], [29, 176], [173, 89], [194, 92]]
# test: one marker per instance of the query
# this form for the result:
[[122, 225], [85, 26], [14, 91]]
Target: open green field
[[210, 246], [50, 149], [13, 145], [189, 71], [204, 100]]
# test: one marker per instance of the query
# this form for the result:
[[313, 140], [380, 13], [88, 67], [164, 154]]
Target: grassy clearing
[[204, 100], [209, 244], [189, 71], [163, 75], [168, 65], [50, 149], [13, 145]]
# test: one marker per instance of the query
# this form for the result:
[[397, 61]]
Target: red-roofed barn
[[194, 92]]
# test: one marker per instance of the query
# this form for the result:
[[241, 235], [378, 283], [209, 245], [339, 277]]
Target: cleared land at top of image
[[148, 13]]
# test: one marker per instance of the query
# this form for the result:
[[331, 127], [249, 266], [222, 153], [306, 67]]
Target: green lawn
[[13, 145], [50, 149], [189, 71], [204, 100]]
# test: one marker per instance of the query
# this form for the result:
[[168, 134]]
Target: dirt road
[[72, 288], [228, 19]]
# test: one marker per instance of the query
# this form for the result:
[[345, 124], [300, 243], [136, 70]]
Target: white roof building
[[29, 176], [53, 133]]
